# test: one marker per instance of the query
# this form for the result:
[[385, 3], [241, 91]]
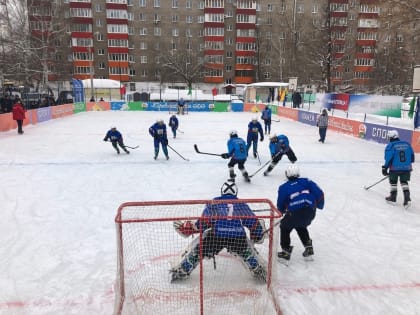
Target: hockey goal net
[[149, 247]]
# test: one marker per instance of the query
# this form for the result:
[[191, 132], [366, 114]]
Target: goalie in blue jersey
[[219, 233]]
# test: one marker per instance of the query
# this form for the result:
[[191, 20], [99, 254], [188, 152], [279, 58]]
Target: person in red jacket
[[19, 115]]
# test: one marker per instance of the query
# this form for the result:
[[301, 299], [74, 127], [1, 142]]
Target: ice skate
[[178, 275], [407, 199], [392, 198], [260, 273], [309, 252], [284, 255]]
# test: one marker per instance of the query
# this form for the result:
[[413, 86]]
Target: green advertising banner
[[79, 107]]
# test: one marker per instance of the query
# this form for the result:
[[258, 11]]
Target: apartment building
[[332, 44]]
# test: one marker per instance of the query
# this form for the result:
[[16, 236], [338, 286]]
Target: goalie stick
[[199, 152]]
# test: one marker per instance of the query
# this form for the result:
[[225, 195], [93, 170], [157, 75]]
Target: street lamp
[[92, 98]]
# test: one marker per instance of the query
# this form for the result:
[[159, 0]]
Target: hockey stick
[[177, 153], [381, 180], [259, 170], [199, 152], [126, 146]]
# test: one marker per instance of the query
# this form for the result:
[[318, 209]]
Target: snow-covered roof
[[267, 84], [102, 84]]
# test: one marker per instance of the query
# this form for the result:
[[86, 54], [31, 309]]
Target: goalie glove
[[258, 235], [185, 229]]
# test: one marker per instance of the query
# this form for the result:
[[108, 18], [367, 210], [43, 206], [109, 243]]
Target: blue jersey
[[231, 228], [173, 122], [113, 135], [280, 146], [158, 131], [266, 114], [398, 156], [237, 148], [299, 193], [254, 127]]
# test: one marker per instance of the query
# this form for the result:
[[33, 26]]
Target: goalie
[[220, 233]]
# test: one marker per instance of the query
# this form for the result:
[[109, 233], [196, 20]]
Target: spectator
[[296, 99], [19, 115], [322, 124], [181, 105]]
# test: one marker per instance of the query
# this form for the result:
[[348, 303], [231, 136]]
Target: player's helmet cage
[[393, 134], [273, 137], [292, 171], [229, 188], [233, 133]]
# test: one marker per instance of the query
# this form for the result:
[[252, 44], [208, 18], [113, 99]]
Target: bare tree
[[183, 64]]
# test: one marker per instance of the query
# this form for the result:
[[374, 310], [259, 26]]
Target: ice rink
[[61, 186]]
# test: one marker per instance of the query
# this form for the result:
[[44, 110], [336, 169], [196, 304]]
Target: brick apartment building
[[228, 41]]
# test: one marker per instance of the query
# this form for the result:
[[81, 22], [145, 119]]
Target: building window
[[267, 75], [269, 8], [188, 4], [174, 4], [189, 19], [157, 31], [98, 7], [143, 45], [156, 3], [143, 59], [143, 31], [175, 18], [175, 32]]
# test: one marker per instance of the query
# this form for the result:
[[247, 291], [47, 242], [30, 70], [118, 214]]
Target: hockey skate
[[392, 198], [246, 177], [126, 151], [309, 252], [284, 256], [407, 199], [260, 273], [178, 274]]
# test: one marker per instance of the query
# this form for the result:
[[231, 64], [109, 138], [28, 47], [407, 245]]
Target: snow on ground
[[61, 186]]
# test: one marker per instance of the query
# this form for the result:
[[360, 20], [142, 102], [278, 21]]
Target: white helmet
[[233, 133], [113, 127], [292, 171], [159, 121], [393, 134], [255, 118], [229, 188]]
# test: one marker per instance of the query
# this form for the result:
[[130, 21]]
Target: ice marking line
[[360, 287]]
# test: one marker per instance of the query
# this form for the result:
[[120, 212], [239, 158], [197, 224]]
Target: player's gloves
[[225, 155], [185, 229], [105, 140], [262, 138], [165, 141], [384, 171]]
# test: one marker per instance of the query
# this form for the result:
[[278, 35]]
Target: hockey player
[[254, 128], [220, 233], [266, 116], [238, 154], [399, 155], [173, 123], [279, 145], [297, 200], [116, 139], [158, 132]]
